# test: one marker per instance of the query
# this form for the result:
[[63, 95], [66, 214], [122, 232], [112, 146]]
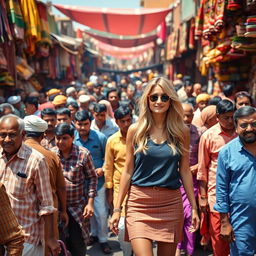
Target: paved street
[[96, 251]]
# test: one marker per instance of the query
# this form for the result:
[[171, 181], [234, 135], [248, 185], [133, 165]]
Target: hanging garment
[[32, 21], [15, 18]]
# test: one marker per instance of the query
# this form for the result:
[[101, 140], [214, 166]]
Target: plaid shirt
[[48, 144], [10, 231], [77, 169], [26, 179]]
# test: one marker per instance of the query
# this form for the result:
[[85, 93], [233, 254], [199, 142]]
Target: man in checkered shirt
[[78, 169], [25, 175]]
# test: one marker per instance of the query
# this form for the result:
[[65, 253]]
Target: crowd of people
[[142, 156]]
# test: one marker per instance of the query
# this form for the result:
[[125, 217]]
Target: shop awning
[[123, 53], [155, 66], [121, 41], [115, 20], [69, 44]]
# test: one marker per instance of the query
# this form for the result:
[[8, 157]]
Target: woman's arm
[[128, 168], [125, 179]]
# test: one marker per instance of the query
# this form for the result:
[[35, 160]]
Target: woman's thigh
[[142, 247]]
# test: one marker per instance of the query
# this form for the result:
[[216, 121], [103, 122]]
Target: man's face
[[188, 89], [97, 90], [197, 89], [226, 120], [246, 129], [124, 123], [100, 118], [188, 116], [30, 109], [42, 98], [72, 111], [113, 98], [130, 92], [10, 136], [202, 105], [84, 105], [62, 118], [64, 142], [51, 121], [242, 101], [83, 127]]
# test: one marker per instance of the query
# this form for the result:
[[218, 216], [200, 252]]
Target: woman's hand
[[195, 221], [113, 223]]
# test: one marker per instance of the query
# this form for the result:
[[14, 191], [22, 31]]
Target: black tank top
[[158, 167]]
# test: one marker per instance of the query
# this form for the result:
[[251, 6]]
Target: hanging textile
[[32, 23], [45, 29], [5, 30], [15, 18]]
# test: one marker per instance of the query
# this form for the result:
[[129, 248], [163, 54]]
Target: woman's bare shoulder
[[133, 128]]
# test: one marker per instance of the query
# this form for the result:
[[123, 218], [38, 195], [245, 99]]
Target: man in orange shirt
[[11, 235], [35, 128], [210, 144], [113, 166]]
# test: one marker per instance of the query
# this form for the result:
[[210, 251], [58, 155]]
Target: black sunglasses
[[163, 97]]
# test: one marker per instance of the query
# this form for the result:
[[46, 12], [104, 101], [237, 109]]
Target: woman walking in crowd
[[157, 156]]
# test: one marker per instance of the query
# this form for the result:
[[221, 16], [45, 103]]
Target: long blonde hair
[[174, 118]]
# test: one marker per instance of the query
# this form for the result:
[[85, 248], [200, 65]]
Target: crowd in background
[[69, 151]]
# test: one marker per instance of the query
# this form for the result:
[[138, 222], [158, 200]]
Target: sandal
[[105, 248], [92, 240]]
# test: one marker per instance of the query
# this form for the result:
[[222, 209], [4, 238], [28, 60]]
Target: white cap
[[35, 124], [84, 98], [69, 90], [14, 99]]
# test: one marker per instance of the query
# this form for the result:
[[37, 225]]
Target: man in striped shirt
[[25, 174]]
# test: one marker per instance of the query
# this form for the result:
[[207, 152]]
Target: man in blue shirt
[[235, 189], [95, 142]]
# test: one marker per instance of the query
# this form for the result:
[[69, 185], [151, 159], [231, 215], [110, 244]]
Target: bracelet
[[117, 210]]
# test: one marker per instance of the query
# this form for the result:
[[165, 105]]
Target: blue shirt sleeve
[[103, 140], [222, 183]]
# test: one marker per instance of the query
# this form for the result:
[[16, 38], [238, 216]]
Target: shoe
[[92, 240], [105, 248]]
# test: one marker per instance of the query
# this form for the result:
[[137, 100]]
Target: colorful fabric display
[[15, 18], [32, 22]]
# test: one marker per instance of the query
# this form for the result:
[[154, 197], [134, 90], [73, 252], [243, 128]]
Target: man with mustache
[[50, 116], [25, 175], [210, 144], [235, 189]]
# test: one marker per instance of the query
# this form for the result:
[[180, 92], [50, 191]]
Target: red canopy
[[123, 42], [123, 53], [116, 21]]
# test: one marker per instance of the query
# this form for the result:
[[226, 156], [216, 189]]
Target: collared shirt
[[31, 195], [96, 144], [114, 163], [210, 144], [48, 144], [236, 178], [77, 169], [11, 234], [108, 129], [56, 174]]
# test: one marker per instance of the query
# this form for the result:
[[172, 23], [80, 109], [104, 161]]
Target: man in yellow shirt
[[114, 164]]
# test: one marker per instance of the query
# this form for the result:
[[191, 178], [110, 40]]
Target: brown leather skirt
[[154, 213]]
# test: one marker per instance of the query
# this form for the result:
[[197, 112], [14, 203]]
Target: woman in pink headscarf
[[109, 108]]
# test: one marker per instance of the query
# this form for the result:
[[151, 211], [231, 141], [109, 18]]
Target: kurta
[[235, 194]]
